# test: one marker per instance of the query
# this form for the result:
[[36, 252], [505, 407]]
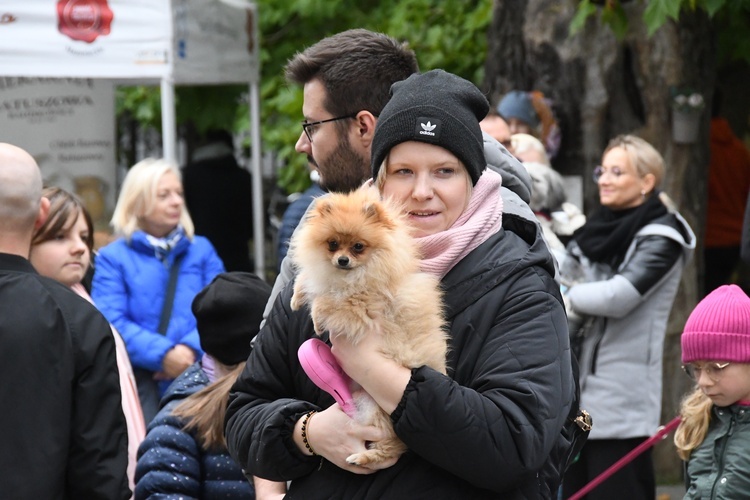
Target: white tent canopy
[[197, 42]]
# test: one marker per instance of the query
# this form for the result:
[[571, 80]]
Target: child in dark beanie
[[714, 435], [184, 452]]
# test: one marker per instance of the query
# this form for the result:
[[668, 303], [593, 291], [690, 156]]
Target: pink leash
[[321, 366], [660, 434]]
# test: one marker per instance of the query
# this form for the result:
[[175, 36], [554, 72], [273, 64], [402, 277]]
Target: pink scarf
[[481, 219], [209, 368]]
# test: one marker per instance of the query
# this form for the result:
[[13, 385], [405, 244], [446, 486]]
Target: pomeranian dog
[[358, 270]]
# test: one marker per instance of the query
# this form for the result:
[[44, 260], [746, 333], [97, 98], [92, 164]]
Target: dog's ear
[[324, 207], [377, 213], [318, 209]]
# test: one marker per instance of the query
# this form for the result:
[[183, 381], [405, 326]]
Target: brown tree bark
[[601, 87], [506, 67]]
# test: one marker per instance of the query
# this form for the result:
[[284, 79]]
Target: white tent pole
[[258, 229], [168, 120]]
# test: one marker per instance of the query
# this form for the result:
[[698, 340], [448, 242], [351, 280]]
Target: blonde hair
[[138, 196], [204, 411], [642, 155], [380, 179], [696, 415], [525, 142]]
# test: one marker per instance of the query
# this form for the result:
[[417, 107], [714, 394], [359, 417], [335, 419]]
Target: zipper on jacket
[[720, 462], [595, 352]]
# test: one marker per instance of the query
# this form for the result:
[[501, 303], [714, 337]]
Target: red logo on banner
[[84, 20]]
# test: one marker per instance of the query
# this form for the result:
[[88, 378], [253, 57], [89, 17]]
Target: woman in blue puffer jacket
[[132, 275]]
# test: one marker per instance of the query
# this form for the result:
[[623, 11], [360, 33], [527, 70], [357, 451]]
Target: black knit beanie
[[436, 108], [228, 312]]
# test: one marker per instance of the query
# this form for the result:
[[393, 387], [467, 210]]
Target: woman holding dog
[[623, 270], [491, 428]]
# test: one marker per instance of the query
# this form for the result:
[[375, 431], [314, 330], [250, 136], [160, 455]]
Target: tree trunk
[[506, 49], [601, 87]]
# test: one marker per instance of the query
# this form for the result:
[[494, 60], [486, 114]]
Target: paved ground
[[675, 492]]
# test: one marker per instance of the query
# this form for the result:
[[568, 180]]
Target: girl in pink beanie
[[714, 435]]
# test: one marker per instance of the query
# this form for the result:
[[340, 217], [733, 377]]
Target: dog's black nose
[[343, 261]]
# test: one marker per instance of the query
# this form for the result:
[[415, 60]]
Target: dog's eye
[[333, 245], [358, 247]]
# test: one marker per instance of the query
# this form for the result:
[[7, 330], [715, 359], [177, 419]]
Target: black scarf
[[608, 233]]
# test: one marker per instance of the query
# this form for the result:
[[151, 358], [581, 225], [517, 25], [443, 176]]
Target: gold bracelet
[[305, 419]]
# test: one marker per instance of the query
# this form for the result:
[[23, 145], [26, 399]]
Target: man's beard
[[344, 170]]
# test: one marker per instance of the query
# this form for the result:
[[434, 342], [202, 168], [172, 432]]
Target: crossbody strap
[[166, 310]]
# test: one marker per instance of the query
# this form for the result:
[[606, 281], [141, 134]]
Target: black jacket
[[173, 463], [218, 195], [490, 429], [63, 431]]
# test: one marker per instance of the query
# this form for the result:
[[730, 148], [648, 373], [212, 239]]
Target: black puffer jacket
[[171, 461], [490, 429]]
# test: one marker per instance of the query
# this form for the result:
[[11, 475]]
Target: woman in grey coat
[[623, 269]]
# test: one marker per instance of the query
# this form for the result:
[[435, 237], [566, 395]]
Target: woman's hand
[[335, 436], [176, 360], [382, 377], [358, 359]]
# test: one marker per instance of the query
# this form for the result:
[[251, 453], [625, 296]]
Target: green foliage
[[658, 11], [732, 16], [206, 107], [143, 103], [732, 36], [448, 34], [585, 10], [615, 17]]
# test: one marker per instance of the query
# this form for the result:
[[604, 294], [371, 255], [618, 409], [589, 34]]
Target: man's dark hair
[[357, 68]]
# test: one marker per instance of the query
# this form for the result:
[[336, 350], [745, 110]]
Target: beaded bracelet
[[307, 417]]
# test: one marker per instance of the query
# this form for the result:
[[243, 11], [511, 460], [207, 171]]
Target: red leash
[[660, 434]]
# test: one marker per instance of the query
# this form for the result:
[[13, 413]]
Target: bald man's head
[[20, 190]]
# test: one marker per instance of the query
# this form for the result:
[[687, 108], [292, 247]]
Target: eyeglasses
[[310, 127], [714, 371], [600, 172]]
